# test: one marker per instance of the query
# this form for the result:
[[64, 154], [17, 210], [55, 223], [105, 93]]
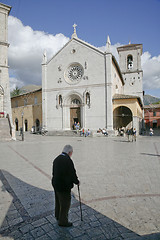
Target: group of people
[[84, 133], [76, 126], [131, 134], [103, 131]]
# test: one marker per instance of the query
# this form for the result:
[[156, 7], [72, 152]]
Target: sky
[[38, 25]]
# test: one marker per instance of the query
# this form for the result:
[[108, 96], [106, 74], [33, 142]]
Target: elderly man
[[64, 177]]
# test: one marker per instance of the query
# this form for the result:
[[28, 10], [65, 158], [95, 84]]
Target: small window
[[25, 102], [35, 100], [75, 101], [87, 98], [60, 100], [154, 114], [16, 103]]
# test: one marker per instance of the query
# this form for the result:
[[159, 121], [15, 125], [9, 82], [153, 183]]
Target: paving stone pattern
[[27, 198]]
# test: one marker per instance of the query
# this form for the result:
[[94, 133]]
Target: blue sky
[[137, 21]]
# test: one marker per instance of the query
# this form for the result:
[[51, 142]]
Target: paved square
[[120, 188]]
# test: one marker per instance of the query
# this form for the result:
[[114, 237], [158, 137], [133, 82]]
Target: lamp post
[[22, 126]]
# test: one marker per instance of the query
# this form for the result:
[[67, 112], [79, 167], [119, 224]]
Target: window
[[25, 102], [35, 100], [154, 114], [129, 62], [60, 100], [16, 103], [75, 101], [88, 98]]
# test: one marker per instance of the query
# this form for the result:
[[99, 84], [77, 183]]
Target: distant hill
[[147, 99]]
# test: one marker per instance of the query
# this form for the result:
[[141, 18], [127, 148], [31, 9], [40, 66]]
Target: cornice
[[4, 44], [73, 87]]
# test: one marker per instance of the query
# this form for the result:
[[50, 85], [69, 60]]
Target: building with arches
[[28, 104], [83, 84]]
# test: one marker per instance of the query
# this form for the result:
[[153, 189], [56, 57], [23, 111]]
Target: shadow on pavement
[[151, 154], [30, 216]]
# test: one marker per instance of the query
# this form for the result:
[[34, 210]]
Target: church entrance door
[[74, 116]]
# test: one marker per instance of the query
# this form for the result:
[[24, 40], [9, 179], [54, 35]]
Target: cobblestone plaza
[[120, 188]]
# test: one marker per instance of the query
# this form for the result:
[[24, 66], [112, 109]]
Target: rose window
[[74, 73]]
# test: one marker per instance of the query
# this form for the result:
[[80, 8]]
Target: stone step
[[71, 133]]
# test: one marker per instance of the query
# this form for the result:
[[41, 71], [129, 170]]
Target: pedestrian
[[20, 131], [134, 134], [63, 179], [128, 134], [151, 132]]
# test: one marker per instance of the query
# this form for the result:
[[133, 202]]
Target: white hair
[[67, 149]]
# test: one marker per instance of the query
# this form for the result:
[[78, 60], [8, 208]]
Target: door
[[74, 116]]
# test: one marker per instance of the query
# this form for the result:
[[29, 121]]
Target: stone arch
[[122, 117], [71, 96], [73, 110], [129, 61]]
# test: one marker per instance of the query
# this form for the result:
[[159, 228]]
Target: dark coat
[[64, 173]]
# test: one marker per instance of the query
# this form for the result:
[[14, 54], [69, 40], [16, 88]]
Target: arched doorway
[[26, 125], [122, 117], [16, 122], [75, 112], [37, 125]]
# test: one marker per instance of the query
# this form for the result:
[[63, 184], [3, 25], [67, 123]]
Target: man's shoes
[[69, 224]]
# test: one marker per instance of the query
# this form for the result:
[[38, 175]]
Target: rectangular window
[[154, 114], [25, 102], [35, 100], [16, 103]]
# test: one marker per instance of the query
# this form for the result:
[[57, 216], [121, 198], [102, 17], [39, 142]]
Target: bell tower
[[5, 102], [130, 65]]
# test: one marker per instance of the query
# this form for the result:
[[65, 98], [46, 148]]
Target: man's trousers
[[62, 205]]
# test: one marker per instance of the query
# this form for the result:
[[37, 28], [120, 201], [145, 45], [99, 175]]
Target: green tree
[[16, 92]]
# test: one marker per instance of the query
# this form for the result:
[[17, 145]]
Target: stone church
[[83, 84]]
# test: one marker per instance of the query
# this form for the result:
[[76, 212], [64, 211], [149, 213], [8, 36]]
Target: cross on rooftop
[[74, 27]]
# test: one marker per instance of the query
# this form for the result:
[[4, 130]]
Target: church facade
[[84, 84]]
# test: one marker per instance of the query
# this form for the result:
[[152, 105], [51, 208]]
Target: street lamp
[[22, 126]]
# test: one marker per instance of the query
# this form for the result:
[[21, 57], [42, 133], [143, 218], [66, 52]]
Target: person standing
[[63, 179], [134, 134]]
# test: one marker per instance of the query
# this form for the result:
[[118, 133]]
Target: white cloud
[[26, 50], [151, 70], [14, 82], [27, 47]]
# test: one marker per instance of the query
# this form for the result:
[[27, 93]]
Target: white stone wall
[[117, 82], [92, 116], [4, 77], [132, 77]]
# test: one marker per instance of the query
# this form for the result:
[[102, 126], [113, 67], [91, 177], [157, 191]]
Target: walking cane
[[80, 202]]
